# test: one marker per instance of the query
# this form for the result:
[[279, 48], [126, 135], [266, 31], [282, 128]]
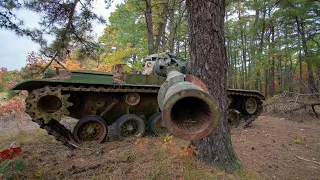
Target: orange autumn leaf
[[72, 65]]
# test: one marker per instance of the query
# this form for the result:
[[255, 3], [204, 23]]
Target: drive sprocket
[[48, 103]]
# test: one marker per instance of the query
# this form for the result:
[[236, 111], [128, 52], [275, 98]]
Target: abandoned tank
[[127, 104]]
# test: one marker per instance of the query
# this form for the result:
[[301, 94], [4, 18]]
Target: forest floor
[[272, 148]]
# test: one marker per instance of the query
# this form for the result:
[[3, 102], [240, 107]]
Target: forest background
[[272, 46]]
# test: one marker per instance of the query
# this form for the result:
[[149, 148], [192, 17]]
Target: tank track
[[249, 118], [65, 136], [60, 132]]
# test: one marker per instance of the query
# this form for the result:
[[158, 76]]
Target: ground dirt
[[272, 148]]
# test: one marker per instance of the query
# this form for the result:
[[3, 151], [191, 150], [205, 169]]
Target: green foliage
[[19, 165], [125, 37], [268, 40], [9, 20], [9, 168], [297, 141], [4, 165], [8, 79], [69, 22], [10, 94]]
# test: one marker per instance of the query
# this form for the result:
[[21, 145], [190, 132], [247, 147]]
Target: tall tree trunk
[[208, 59], [229, 57], [235, 66], [288, 79], [300, 68], [172, 25], [279, 71], [253, 48], [266, 82], [291, 75], [271, 47], [279, 57], [261, 48], [161, 27], [148, 18], [311, 81], [243, 50]]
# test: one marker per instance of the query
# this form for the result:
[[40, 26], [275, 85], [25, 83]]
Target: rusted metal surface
[[171, 80], [48, 103], [132, 99], [30, 85], [188, 111], [178, 85], [90, 128], [109, 107], [130, 125], [156, 124], [94, 100], [196, 81], [244, 92], [233, 118], [148, 67]]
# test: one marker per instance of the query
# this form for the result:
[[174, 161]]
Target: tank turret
[[189, 112]]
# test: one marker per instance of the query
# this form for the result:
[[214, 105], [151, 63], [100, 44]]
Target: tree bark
[[172, 26], [253, 48], [271, 47], [261, 45], [208, 59], [311, 80], [243, 50], [161, 27], [229, 57], [148, 18]]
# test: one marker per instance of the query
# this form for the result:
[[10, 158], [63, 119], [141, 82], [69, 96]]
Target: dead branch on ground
[[308, 160], [289, 102]]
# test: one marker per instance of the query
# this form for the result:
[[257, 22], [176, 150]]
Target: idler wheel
[[90, 128], [249, 105], [156, 125], [130, 125]]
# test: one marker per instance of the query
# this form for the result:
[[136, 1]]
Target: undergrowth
[[132, 158]]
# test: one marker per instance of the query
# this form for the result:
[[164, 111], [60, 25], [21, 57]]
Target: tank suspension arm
[[109, 107]]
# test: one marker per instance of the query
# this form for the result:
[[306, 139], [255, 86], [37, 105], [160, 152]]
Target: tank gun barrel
[[189, 112]]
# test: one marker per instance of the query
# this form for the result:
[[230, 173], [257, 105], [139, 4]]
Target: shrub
[[13, 106]]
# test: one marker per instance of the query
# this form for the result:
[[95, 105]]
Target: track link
[[250, 118], [65, 136], [60, 132]]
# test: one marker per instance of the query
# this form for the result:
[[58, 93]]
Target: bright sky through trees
[[14, 49]]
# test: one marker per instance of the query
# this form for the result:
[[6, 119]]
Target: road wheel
[[233, 118], [90, 128], [130, 125], [249, 106], [156, 124]]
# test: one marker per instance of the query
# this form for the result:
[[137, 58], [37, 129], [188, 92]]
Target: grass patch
[[132, 158], [22, 137]]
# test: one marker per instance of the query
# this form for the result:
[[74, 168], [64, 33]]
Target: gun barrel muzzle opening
[[189, 112]]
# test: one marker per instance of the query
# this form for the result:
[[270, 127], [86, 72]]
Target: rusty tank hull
[[117, 105], [244, 104], [100, 101]]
